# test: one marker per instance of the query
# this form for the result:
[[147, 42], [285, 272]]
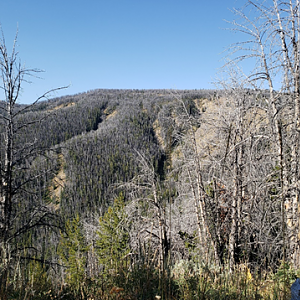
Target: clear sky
[[135, 44]]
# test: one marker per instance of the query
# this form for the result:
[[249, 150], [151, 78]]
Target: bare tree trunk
[[235, 208], [217, 240], [201, 240], [280, 27], [196, 181], [13, 75], [148, 181], [291, 70], [162, 227], [293, 215], [6, 168]]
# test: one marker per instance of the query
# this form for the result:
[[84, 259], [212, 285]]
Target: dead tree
[[12, 161], [146, 188], [273, 29]]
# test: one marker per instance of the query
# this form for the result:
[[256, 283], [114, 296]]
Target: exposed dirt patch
[[109, 116], [63, 106], [157, 131], [58, 184]]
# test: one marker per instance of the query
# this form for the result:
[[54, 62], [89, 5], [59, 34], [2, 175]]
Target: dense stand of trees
[[198, 172]]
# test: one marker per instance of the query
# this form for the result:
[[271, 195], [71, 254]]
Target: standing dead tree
[[193, 167], [17, 217], [145, 188], [225, 158], [273, 31]]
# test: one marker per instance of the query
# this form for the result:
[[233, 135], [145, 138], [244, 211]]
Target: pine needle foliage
[[73, 252], [113, 238]]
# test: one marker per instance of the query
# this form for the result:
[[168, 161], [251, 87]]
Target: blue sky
[[135, 44]]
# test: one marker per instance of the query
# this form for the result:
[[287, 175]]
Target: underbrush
[[185, 280]]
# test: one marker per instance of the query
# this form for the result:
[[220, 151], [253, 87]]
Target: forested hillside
[[148, 183]]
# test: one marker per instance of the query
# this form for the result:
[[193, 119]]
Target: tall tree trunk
[[235, 209], [199, 222], [293, 224]]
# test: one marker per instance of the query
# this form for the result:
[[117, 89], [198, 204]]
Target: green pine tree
[[73, 252], [113, 242]]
